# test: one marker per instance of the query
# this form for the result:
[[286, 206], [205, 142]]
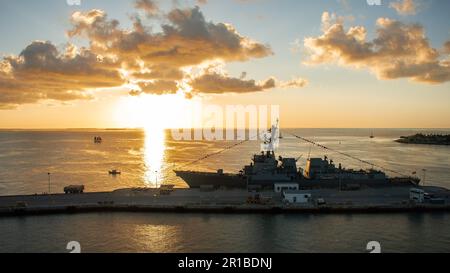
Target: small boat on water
[[115, 172], [98, 139]]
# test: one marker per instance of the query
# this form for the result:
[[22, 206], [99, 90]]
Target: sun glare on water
[[153, 153], [155, 114]]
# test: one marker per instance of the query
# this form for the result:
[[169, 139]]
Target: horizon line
[[282, 128]]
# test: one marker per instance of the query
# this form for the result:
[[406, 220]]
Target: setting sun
[[154, 111]]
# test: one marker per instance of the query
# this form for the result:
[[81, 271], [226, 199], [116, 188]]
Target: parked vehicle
[[74, 189]]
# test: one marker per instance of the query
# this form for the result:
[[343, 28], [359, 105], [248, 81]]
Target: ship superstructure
[[321, 169], [266, 169]]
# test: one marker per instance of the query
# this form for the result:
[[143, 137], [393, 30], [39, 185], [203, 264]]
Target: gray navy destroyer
[[266, 170]]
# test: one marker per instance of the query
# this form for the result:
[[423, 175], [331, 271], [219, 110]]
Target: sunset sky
[[331, 64]]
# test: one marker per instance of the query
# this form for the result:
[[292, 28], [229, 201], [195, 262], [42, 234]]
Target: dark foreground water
[[138, 232]]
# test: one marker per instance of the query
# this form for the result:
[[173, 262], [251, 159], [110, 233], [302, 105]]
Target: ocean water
[[147, 158]]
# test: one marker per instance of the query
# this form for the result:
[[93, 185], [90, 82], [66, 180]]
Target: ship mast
[[271, 138]]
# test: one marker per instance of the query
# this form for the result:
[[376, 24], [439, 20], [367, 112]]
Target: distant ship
[[114, 172]]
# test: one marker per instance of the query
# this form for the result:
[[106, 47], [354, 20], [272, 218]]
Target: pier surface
[[393, 199]]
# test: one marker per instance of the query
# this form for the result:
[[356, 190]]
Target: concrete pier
[[369, 200]]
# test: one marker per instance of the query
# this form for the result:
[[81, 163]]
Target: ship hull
[[216, 180], [354, 183]]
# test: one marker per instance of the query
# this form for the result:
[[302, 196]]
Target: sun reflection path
[[158, 238], [154, 151]]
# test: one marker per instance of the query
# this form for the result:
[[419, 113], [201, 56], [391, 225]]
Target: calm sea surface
[[147, 158]]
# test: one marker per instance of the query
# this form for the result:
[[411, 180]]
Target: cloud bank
[[42, 72], [141, 59], [399, 50]]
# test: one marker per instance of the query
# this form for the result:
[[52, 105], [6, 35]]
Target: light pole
[[49, 182], [156, 176]]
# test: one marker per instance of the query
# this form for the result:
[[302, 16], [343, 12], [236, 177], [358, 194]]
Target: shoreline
[[365, 201], [422, 139]]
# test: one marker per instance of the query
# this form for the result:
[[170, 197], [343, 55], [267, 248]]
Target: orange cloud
[[186, 40], [216, 83], [214, 80], [152, 62], [447, 47], [405, 7], [398, 51], [158, 87], [42, 72], [295, 83], [148, 6]]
